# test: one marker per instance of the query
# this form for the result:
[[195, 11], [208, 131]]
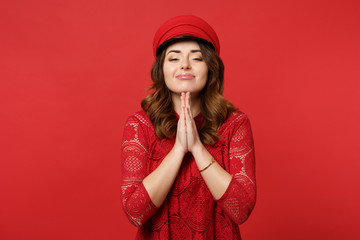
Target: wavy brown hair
[[215, 109]]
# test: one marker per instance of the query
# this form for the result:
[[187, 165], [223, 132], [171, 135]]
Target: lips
[[185, 76]]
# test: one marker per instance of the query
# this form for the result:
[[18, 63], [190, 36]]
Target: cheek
[[167, 70], [205, 73], [167, 76], [204, 69]]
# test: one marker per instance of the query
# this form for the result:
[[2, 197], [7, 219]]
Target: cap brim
[[172, 40]]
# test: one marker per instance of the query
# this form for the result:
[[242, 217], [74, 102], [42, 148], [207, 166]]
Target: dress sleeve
[[136, 202], [239, 198]]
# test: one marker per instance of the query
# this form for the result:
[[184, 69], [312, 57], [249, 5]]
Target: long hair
[[214, 108]]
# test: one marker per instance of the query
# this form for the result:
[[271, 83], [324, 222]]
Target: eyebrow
[[178, 51]]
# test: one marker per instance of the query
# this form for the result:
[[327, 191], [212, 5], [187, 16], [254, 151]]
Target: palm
[[192, 136]]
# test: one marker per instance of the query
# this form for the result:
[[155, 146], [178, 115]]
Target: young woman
[[188, 167]]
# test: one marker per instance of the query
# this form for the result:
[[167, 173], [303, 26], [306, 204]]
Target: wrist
[[198, 150], [178, 150]]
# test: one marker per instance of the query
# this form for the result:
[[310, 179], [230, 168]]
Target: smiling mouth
[[185, 76]]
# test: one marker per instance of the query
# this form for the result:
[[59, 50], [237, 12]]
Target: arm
[[136, 202], [159, 182], [142, 194], [215, 177], [234, 191], [239, 199]]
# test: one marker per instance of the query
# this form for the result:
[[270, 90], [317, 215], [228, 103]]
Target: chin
[[192, 92]]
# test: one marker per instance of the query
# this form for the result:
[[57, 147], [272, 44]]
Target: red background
[[72, 71]]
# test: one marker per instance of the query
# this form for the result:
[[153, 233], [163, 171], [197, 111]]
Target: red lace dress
[[189, 211]]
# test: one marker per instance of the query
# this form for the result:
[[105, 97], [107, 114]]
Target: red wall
[[72, 71]]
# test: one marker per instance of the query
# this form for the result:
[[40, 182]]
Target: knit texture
[[189, 211]]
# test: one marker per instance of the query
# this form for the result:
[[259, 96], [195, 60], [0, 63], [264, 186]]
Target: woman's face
[[184, 68]]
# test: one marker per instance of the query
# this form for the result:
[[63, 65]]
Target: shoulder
[[139, 128], [236, 119], [141, 118], [238, 116]]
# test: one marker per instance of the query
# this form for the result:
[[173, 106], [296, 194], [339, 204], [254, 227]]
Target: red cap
[[188, 27]]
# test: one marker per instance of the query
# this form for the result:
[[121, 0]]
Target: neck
[[195, 104]]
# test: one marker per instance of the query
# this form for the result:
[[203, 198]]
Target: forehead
[[184, 45]]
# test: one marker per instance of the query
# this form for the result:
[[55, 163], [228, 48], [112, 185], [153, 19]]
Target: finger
[[188, 119], [188, 101], [181, 124], [192, 121], [187, 106], [182, 99], [183, 107], [188, 124], [193, 124]]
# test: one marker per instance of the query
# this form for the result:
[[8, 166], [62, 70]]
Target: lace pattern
[[189, 211], [135, 199]]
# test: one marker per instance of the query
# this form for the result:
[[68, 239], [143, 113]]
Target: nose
[[185, 64]]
